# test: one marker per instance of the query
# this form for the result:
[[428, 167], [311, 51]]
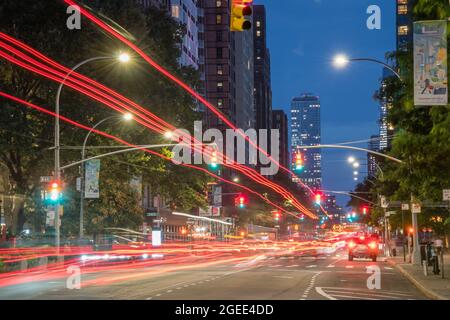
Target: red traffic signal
[[365, 210], [318, 199], [276, 215], [240, 201]]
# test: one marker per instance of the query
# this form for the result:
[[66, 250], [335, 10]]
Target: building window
[[402, 1], [219, 36], [402, 30], [403, 9], [218, 19], [219, 53], [258, 33], [175, 11], [219, 69], [218, 3], [220, 86], [258, 23], [220, 103]]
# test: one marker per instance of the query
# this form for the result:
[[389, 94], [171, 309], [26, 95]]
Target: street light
[[356, 165], [126, 117], [57, 173], [351, 159], [168, 134], [341, 61], [355, 173], [124, 57]]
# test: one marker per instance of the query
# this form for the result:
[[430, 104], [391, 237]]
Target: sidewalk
[[433, 286]]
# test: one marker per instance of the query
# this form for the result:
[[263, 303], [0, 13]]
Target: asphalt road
[[329, 277]]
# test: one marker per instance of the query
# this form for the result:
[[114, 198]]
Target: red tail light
[[351, 244], [372, 245]]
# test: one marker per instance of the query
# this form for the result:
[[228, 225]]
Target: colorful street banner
[[430, 63], [91, 187]]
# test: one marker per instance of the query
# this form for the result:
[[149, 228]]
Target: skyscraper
[[306, 131], [280, 122], [404, 24], [185, 12], [374, 145], [226, 66], [386, 129], [263, 87]]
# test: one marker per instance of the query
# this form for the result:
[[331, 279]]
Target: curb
[[427, 292]]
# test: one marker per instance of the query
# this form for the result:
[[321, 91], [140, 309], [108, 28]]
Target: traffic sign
[[416, 208], [45, 179], [384, 203], [390, 213], [405, 206], [446, 194]]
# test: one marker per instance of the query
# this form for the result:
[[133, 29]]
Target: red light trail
[[179, 82], [74, 123], [89, 91]]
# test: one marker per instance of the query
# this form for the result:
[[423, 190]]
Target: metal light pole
[[83, 155], [57, 173], [342, 61]]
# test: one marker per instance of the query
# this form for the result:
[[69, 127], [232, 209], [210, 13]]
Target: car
[[363, 247]]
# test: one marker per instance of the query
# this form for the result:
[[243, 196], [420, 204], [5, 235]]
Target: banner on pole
[[430, 63], [92, 188]]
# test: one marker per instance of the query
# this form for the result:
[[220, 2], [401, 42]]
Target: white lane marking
[[354, 297], [358, 294], [312, 266], [283, 277], [331, 266], [322, 293], [311, 284], [169, 291], [276, 266], [388, 268], [159, 295], [149, 298], [293, 266], [349, 267], [401, 293]]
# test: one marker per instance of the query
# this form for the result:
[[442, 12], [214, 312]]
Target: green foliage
[[422, 136], [26, 135]]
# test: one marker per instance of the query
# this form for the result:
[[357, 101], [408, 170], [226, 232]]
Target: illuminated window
[[220, 102], [258, 23], [218, 3], [403, 30], [175, 11], [219, 86], [258, 33], [403, 9], [402, 1], [219, 69], [219, 19]]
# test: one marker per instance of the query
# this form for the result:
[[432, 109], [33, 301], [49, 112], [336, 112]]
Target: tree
[[25, 135], [422, 135]]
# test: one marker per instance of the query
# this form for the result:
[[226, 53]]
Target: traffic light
[[214, 163], [365, 210], [240, 201], [53, 194], [240, 9], [318, 199], [302, 217], [298, 162], [276, 215]]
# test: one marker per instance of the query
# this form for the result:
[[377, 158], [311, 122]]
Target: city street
[[199, 150], [284, 278]]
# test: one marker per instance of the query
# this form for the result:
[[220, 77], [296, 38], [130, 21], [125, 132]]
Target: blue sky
[[303, 37]]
